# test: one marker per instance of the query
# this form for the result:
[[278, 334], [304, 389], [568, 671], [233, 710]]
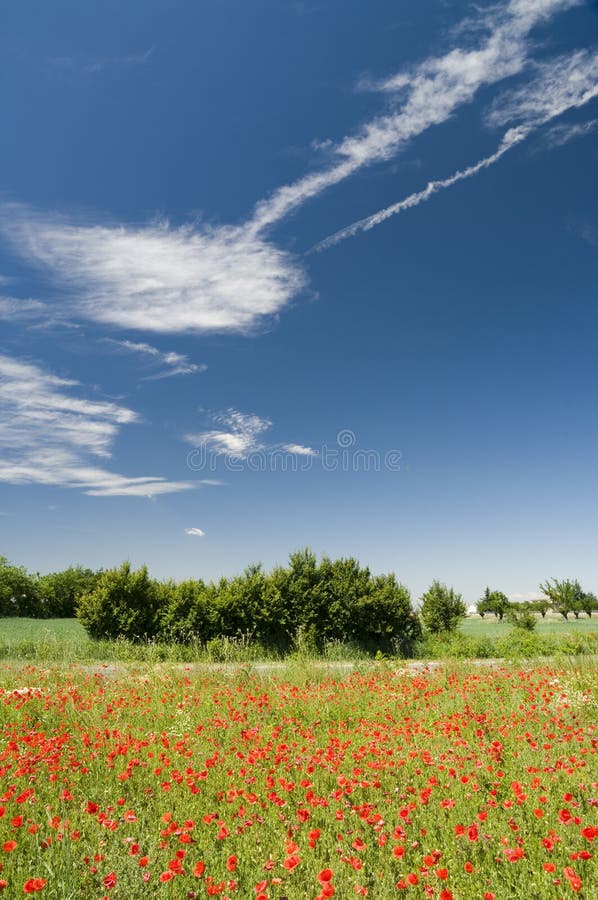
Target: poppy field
[[183, 782]]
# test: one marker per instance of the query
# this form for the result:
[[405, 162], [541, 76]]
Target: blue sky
[[301, 273]]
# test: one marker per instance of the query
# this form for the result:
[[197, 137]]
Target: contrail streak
[[513, 137]]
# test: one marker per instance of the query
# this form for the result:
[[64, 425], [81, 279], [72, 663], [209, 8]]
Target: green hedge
[[308, 603]]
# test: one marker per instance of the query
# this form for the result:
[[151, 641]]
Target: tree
[[542, 606], [494, 602], [19, 595], [441, 608], [483, 605], [122, 604], [186, 611], [383, 618], [60, 591], [563, 595], [588, 603]]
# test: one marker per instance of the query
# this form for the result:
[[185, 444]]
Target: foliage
[[441, 608], [327, 608], [19, 595], [310, 605], [123, 604], [585, 602], [563, 595], [494, 602], [59, 592], [521, 617], [542, 605]]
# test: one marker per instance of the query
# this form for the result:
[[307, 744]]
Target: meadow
[[66, 640], [448, 781], [551, 624]]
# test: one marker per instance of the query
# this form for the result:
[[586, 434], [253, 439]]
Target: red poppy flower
[[325, 876], [110, 880], [34, 884]]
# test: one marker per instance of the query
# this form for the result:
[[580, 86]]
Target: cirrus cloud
[[158, 277], [50, 437]]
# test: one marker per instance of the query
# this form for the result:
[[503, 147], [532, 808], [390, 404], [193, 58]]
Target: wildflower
[[325, 876], [109, 880], [32, 885], [291, 862]]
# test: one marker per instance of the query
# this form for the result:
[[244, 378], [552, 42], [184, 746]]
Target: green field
[[490, 626], [65, 640], [64, 631]]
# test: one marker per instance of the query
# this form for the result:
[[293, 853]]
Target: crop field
[[490, 626], [67, 639], [68, 631], [459, 781]]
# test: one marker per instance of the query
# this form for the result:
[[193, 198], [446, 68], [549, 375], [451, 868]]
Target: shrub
[[60, 591], [19, 595], [187, 612], [123, 604], [441, 608]]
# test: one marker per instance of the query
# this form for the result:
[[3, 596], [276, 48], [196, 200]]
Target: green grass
[[65, 641], [490, 626], [68, 631]]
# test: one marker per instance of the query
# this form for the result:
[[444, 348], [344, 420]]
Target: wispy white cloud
[[240, 434], [157, 277], [511, 138], [195, 532], [560, 85], [166, 279], [48, 436], [96, 64], [298, 450], [427, 95], [36, 314], [560, 135], [175, 363], [16, 309]]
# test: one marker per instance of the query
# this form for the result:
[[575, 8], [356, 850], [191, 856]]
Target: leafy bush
[[306, 607], [441, 608], [59, 592], [123, 604], [19, 594]]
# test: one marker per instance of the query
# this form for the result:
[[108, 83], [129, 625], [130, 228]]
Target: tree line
[[312, 601], [564, 597]]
